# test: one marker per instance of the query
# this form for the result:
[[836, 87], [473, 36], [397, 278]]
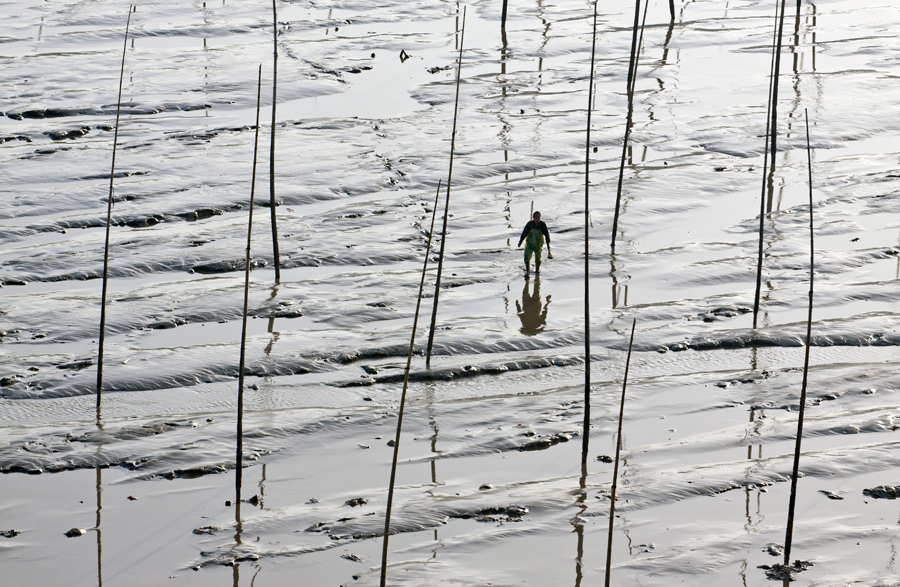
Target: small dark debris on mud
[[356, 501], [9, 533], [75, 532], [829, 494], [206, 530], [486, 487], [774, 549], [352, 557], [254, 501], [132, 498], [605, 459]]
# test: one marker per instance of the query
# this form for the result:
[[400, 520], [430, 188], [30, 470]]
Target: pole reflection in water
[[97, 529], [238, 529], [432, 421], [262, 489], [578, 525], [619, 292], [532, 311]]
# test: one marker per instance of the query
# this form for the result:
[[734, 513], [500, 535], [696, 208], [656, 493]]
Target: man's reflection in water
[[532, 312]]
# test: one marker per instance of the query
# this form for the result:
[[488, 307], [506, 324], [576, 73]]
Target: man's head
[[536, 216]]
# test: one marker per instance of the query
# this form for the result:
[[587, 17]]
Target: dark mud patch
[[779, 572], [63, 134], [469, 371], [883, 492], [511, 513], [371, 525], [546, 441], [744, 339], [215, 267], [128, 109]]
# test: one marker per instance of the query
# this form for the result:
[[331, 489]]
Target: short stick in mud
[[109, 204]]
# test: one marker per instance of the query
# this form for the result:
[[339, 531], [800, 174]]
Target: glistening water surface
[[490, 488]]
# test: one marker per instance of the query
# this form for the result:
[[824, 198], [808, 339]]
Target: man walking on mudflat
[[534, 234]]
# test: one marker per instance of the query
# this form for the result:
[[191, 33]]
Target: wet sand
[[362, 142]]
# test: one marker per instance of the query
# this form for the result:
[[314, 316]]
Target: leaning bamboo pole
[[239, 457], [109, 205], [632, 76], [612, 497], [772, 135], [789, 533], [412, 342], [440, 267]]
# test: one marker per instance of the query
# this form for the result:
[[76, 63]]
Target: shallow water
[[361, 144]]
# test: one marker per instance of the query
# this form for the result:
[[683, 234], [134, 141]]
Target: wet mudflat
[[490, 490]]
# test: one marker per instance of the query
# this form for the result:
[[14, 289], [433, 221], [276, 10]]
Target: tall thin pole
[[239, 458], [612, 503], [272, 148], [412, 342], [440, 268], [790, 523], [109, 205], [634, 36], [772, 136], [632, 67], [765, 170], [585, 437], [503, 16], [672, 9]]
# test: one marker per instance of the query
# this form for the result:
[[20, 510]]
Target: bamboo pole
[[412, 342], [612, 503], [790, 523], [109, 205], [632, 75], [275, 253], [585, 437], [772, 135], [765, 170], [440, 267], [672, 9], [239, 458], [503, 16]]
